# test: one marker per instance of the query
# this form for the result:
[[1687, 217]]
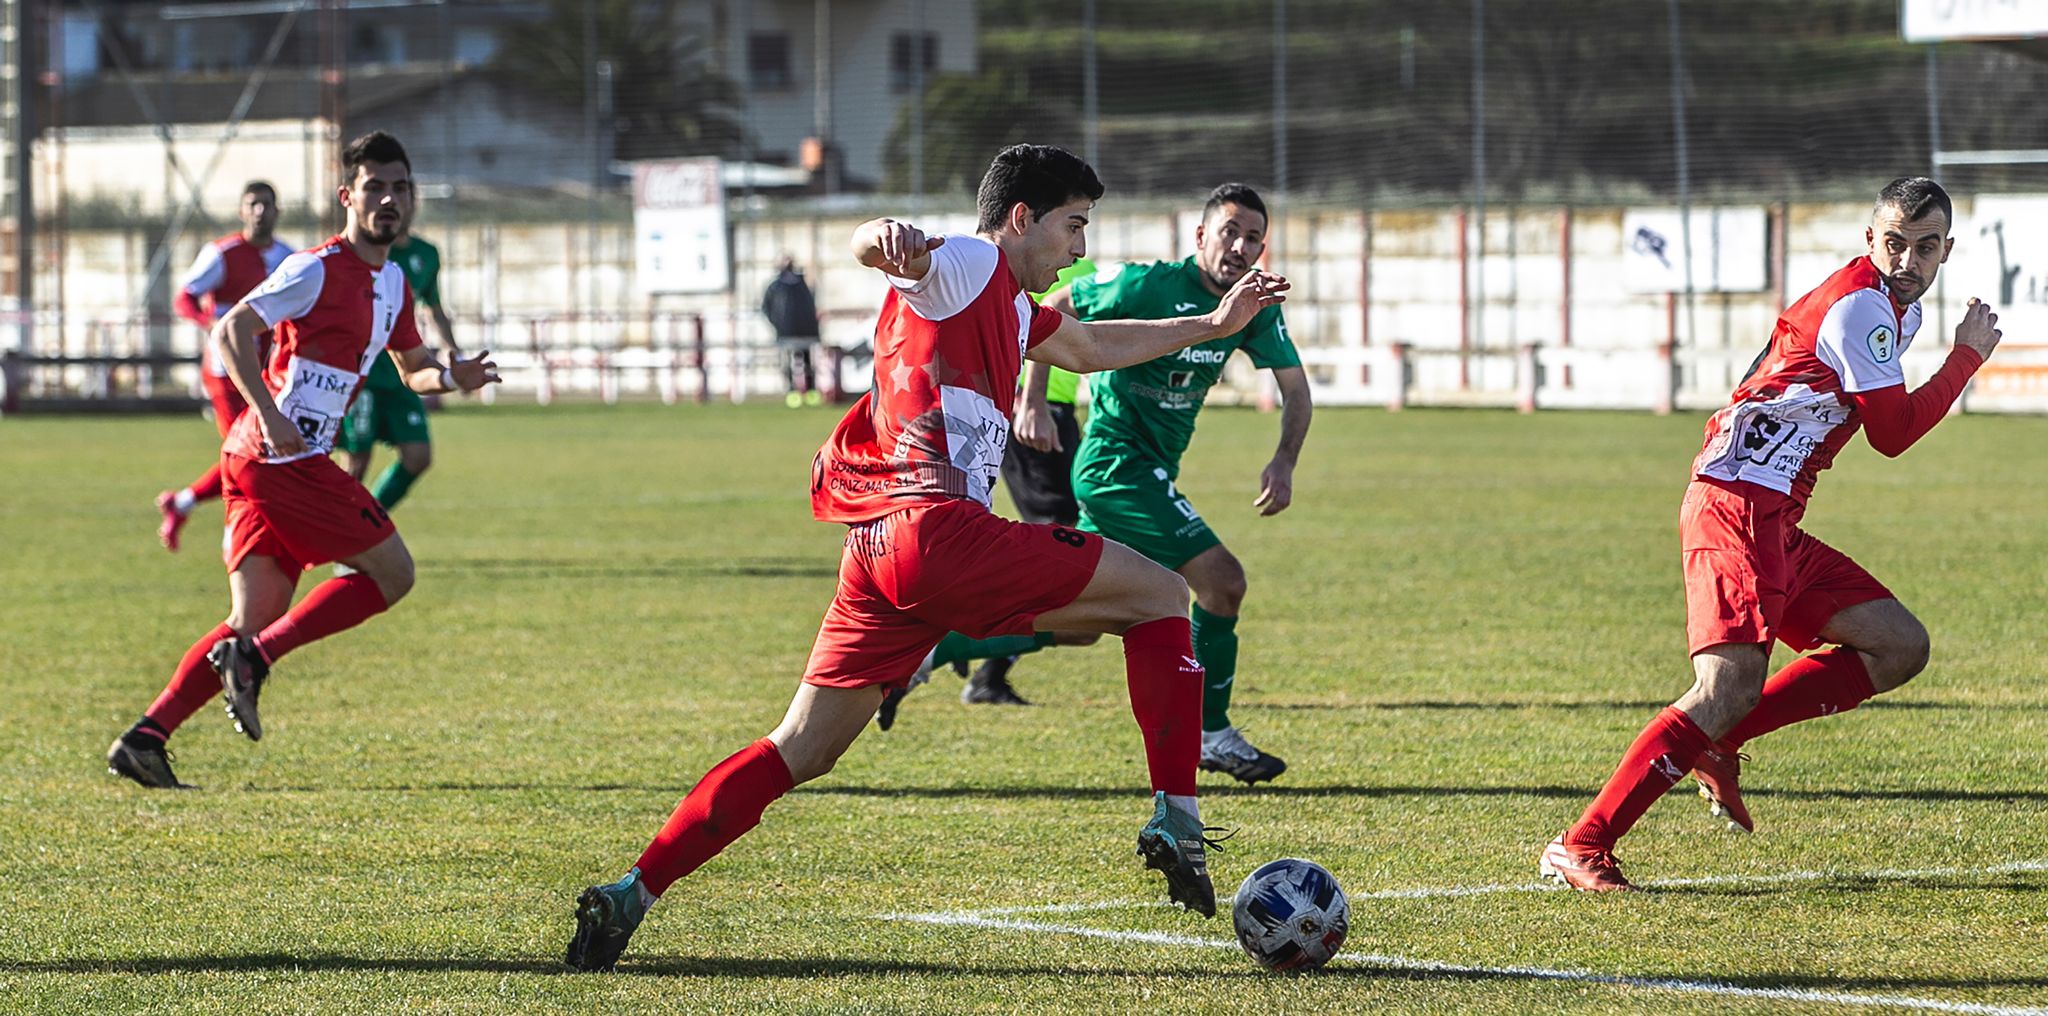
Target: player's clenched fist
[[897, 247], [281, 434], [1256, 291], [1979, 329]]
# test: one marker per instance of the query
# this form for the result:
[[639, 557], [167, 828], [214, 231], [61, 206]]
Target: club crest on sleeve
[[1883, 342]]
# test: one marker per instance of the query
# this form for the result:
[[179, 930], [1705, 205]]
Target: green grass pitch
[[1450, 637]]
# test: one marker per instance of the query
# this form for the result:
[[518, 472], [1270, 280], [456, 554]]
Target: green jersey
[[1150, 407], [421, 263], [1061, 384]]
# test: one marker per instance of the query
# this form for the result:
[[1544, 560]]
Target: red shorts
[[1752, 575], [303, 513], [908, 578], [227, 400]]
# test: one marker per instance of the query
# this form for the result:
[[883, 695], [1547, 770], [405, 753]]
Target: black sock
[[995, 668], [146, 733]]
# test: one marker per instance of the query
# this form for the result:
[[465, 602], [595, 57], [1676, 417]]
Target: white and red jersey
[[1793, 412], [948, 350], [333, 316], [225, 271]]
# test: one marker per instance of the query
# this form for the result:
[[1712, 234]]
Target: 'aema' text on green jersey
[[1151, 406]]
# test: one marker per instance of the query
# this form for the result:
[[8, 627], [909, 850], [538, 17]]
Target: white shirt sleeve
[[206, 273], [279, 250], [959, 271], [1859, 339], [290, 291]]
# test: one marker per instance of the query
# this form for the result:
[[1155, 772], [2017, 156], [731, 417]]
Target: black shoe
[[885, 717], [242, 673], [1230, 753], [606, 916], [145, 763], [1175, 843], [990, 686]]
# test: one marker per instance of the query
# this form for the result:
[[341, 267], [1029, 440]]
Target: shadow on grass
[[1134, 793], [1647, 705], [802, 968], [599, 568], [655, 966]]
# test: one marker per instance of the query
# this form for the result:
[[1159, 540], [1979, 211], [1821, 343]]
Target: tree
[[667, 100]]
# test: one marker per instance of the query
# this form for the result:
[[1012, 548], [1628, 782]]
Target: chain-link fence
[[1459, 175]]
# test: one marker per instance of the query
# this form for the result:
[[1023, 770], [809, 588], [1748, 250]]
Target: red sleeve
[[188, 308], [1894, 420], [1044, 322], [406, 333]]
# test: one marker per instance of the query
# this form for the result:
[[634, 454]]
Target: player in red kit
[[909, 472], [1752, 575], [334, 308], [224, 272]]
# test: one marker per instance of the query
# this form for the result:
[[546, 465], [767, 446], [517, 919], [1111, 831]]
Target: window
[[768, 61], [911, 55]]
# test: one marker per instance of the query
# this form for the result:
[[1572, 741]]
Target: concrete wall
[[539, 286]]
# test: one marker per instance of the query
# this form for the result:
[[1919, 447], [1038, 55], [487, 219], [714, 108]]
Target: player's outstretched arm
[[896, 248], [1276, 481], [1894, 420], [424, 373], [237, 336], [1086, 346]]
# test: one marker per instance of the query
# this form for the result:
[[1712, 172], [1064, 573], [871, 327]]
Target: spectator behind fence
[[793, 312]]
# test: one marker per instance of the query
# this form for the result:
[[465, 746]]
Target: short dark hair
[[1040, 177], [1915, 196], [375, 146], [1237, 194], [259, 185]]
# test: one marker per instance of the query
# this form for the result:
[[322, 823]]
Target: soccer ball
[[1290, 915]]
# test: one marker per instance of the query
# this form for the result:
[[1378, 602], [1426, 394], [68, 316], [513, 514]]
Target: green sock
[[391, 486], [1216, 651], [958, 648]]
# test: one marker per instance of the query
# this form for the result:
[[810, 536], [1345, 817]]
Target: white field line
[[992, 919], [1521, 973], [1440, 892]]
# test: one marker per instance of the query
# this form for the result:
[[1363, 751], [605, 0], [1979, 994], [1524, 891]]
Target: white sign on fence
[[2001, 258], [1935, 20], [679, 234], [1728, 250]]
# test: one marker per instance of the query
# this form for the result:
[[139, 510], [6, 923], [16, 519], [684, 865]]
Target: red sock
[[1825, 683], [723, 805], [192, 686], [1661, 756], [337, 604], [1166, 697], [207, 487]]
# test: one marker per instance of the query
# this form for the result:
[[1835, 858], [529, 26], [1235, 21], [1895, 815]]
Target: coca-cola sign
[[682, 183]]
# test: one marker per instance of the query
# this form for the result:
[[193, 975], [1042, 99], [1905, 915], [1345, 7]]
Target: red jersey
[[333, 315], [225, 271], [1792, 413], [948, 350]]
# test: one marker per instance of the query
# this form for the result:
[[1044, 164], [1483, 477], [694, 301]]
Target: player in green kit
[[1141, 418], [386, 410], [1140, 421]]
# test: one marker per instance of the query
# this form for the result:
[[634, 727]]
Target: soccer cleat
[[242, 672], [1587, 869], [606, 916], [1718, 773], [990, 685], [1173, 842], [174, 520], [149, 765], [885, 717], [1226, 751]]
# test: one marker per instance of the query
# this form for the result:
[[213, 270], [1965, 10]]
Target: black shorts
[[1042, 483]]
